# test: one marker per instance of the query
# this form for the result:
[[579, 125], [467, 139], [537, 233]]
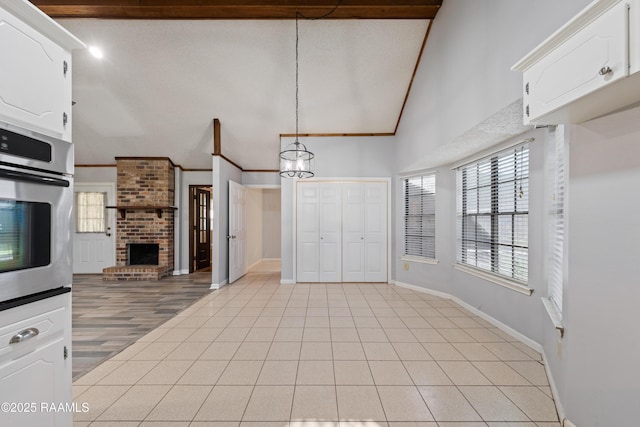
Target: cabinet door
[[330, 232], [592, 58], [308, 233], [353, 232], [375, 238], [35, 83], [38, 377]]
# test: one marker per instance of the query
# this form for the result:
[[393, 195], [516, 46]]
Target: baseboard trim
[[271, 259], [507, 329], [254, 264], [180, 272], [287, 282], [218, 285], [554, 392]]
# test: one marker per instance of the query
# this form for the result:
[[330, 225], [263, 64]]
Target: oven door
[[35, 237]]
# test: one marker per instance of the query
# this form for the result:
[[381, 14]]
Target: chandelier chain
[[297, 67]]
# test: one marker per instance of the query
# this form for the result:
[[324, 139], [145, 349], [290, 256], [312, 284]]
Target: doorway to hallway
[[200, 227]]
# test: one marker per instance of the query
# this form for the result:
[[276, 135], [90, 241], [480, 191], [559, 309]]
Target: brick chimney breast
[[144, 181]]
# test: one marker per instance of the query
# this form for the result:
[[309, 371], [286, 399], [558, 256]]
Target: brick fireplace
[[145, 206]]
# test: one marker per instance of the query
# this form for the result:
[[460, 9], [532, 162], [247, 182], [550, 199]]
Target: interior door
[[375, 238], [94, 236], [353, 245], [237, 230], [330, 232], [308, 233], [202, 228]]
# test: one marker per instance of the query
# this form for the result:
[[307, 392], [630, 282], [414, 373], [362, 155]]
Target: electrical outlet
[[406, 266]]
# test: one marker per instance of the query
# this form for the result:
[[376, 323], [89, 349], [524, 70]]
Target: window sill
[[419, 259], [509, 284], [554, 314]]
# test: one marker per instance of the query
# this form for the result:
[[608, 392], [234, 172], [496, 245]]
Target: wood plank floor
[[110, 315]]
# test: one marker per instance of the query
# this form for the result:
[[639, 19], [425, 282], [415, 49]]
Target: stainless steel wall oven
[[36, 197]]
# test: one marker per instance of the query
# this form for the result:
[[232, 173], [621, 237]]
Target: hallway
[[264, 354]]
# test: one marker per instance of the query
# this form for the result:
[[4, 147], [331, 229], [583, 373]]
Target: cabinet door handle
[[605, 70], [24, 335], [65, 68], [526, 88], [65, 118], [526, 110]]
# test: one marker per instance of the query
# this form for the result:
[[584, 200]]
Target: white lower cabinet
[[35, 373], [342, 231]]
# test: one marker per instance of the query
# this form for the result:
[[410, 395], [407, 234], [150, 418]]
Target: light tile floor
[[257, 353]]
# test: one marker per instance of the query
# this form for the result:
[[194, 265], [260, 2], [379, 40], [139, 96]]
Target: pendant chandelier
[[296, 161]]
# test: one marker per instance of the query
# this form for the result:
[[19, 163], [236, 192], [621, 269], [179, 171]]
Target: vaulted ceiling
[[162, 81]]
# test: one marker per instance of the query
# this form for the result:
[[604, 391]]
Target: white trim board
[[554, 391], [254, 264], [218, 285], [507, 329], [180, 272]]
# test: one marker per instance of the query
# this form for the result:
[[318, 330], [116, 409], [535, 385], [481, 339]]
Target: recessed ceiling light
[[95, 51]]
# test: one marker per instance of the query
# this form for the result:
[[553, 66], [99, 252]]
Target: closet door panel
[[308, 233], [353, 232], [330, 232], [375, 237]]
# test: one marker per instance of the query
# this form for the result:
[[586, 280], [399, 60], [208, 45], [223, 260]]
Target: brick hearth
[[144, 182]]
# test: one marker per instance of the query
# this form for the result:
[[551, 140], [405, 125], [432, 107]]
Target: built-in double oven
[[36, 198]]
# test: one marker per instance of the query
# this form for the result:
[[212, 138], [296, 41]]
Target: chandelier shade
[[296, 161]]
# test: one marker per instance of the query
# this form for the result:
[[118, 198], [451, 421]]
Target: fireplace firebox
[[142, 253]]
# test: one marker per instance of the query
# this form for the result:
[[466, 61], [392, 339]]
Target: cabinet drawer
[[590, 59], [41, 320]]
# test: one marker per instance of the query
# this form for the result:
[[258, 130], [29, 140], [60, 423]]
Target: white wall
[[254, 226], [271, 225], [465, 78], [334, 157], [261, 179], [96, 174], [223, 172], [598, 371], [464, 75]]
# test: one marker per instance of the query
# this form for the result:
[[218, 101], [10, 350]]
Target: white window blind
[[90, 212], [420, 216], [493, 213], [556, 270]]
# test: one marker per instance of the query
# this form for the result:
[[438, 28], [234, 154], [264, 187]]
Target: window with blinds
[[556, 270], [420, 216], [90, 212], [493, 213]]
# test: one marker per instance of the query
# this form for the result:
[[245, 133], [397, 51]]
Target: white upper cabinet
[[587, 68], [35, 77]]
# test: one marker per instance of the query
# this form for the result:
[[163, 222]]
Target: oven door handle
[[29, 177]]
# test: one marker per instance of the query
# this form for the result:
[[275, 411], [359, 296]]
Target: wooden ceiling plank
[[237, 11]]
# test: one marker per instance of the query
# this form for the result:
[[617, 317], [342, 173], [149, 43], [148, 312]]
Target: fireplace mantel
[[123, 209]]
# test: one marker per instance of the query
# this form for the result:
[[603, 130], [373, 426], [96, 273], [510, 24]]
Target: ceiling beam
[[239, 9]]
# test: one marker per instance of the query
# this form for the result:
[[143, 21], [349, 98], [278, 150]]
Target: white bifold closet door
[[341, 232], [364, 232]]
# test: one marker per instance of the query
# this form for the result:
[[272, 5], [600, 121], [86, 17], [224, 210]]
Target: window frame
[[521, 173], [406, 256]]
